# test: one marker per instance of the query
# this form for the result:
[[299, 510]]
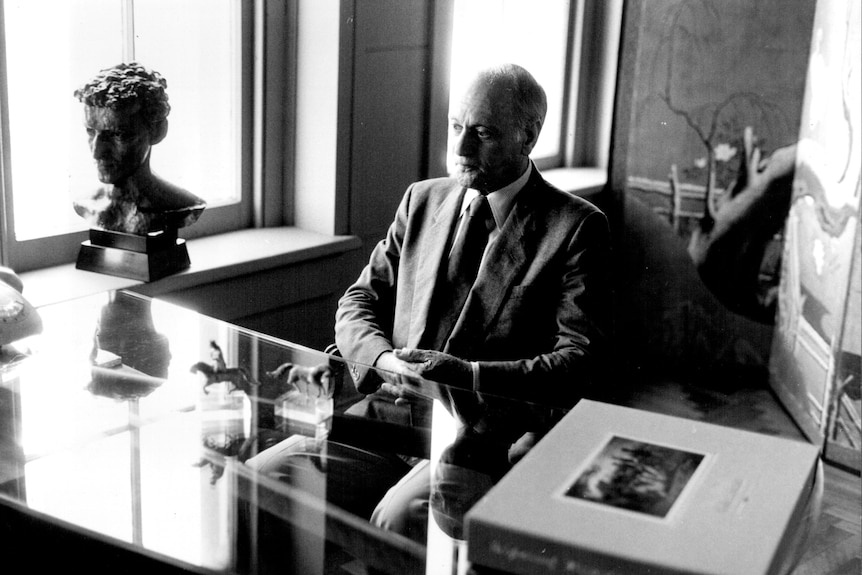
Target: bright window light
[[525, 32], [194, 44]]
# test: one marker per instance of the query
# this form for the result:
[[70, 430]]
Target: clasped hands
[[412, 373]]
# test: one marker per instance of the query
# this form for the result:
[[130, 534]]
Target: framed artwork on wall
[[815, 365], [703, 87], [735, 169]]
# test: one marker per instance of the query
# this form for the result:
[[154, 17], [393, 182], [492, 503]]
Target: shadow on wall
[[667, 321]]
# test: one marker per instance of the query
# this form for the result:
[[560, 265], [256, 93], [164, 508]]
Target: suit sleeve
[[566, 372], [365, 315]]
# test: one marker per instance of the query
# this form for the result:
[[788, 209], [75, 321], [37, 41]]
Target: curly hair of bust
[[126, 86]]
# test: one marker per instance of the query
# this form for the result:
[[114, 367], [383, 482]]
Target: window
[[569, 46], [197, 45]]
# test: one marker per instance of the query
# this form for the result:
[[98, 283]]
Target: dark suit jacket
[[537, 316]]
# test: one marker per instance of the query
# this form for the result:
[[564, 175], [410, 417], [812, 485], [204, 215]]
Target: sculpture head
[[126, 113], [126, 110]]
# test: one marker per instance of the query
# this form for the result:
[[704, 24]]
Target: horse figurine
[[237, 377], [217, 372], [314, 382]]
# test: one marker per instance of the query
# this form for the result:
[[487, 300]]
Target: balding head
[[516, 85], [494, 127]]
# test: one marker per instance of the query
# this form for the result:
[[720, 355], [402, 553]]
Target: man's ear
[[158, 131], [531, 133]]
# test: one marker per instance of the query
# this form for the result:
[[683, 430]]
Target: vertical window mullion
[[6, 223], [257, 178], [569, 142], [128, 30]]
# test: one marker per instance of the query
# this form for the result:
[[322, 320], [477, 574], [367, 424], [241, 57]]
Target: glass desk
[[118, 449], [121, 452]]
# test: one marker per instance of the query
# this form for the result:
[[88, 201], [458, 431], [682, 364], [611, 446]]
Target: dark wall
[[294, 302], [389, 110]]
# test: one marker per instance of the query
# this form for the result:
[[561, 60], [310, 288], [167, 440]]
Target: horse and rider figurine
[[316, 382]]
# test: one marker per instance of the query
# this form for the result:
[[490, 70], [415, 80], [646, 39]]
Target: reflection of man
[[125, 113], [536, 316]]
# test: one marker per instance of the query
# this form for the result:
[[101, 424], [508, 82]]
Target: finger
[[411, 355], [415, 368], [391, 389]]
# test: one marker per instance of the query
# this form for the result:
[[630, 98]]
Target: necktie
[[466, 254], [451, 292], [463, 265]]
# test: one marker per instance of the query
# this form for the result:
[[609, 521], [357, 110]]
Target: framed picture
[[636, 476], [814, 365], [736, 169]]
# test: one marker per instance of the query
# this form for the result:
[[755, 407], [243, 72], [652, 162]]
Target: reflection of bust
[[126, 328], [125, 113]]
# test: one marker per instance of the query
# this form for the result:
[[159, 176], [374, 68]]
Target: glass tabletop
[[198, 445]]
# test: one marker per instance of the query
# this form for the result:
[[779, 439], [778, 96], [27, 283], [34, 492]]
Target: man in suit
[[536, 317]]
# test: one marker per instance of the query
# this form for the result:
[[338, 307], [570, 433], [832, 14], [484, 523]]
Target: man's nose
[[462, 144]]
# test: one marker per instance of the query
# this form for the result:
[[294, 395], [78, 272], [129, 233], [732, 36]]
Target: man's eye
[[456, 128], [483, 134]]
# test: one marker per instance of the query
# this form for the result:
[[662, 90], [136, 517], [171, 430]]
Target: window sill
[[223, 256], [583, 182], [213, 259]]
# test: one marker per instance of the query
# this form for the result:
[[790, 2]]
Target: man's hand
[[408, 372], [438, 366]]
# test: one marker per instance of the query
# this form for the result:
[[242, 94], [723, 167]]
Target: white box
[[612, 489]]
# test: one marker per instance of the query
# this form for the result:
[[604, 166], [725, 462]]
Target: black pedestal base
[[144, 258]]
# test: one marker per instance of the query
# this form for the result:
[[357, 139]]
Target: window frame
[[593, 56], [25, 255], [589, 78]]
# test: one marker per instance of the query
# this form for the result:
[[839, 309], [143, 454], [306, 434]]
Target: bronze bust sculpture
[[125, 113]]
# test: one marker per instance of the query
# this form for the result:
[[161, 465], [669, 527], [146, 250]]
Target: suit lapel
[[432, 255]]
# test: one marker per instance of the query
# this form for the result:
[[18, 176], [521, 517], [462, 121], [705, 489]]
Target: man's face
[[487, 144], [119, 142]]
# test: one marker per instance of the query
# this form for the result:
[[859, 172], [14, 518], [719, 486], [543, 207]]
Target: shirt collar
[[500, 200]]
